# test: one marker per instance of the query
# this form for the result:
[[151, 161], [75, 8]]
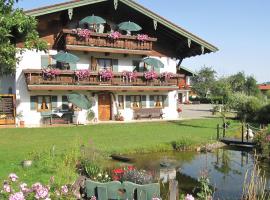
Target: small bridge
[[246, 131]]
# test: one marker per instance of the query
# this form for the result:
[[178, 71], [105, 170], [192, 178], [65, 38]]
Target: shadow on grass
[[186, 124]]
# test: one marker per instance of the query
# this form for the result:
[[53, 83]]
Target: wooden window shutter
[[143, 101], [33, 102], [128, 103], [165, 100], [93, 63], [54, 102], [115, 65], [152, 101]]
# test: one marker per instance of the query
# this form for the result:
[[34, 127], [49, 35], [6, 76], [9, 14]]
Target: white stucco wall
[[32, 60]]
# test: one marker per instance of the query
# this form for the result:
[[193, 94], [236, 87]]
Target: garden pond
[[226, 169]]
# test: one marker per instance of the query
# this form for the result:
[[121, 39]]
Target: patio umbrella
[[129, 26], [92, 20], [65, 57], [153, 62], [79, 100]]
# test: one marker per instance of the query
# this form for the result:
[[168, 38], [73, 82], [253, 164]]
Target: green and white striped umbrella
[[92, 20], [129, 26], [65, 57]]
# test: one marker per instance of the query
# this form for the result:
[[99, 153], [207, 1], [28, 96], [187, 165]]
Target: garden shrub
[[263, 115], [182, 144]]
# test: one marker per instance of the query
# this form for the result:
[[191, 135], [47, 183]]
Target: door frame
[[111, 103]]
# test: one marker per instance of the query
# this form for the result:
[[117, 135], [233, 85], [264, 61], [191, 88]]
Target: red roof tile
[[264, 87]]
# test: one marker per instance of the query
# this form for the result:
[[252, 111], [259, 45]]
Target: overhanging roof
[[188, 70], [130, 3]]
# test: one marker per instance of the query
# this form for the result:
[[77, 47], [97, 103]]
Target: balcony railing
[[69, 78], [103, 40]]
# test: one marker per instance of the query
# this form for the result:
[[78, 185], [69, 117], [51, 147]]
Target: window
[[136, 101], [159, 101], [136, 64], [47, 60], [120, 101], [106, 63], [44, 103]]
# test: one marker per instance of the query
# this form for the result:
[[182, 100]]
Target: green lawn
[[16, 144]]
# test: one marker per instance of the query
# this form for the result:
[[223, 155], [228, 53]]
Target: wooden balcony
[[67, 80], [100, 42]]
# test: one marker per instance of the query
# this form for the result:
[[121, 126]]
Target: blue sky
[[240, 29]]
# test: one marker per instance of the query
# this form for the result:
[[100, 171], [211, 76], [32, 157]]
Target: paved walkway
[[197, 111]]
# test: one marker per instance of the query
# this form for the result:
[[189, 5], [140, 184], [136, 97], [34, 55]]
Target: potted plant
[[119, 117], [19, 116]]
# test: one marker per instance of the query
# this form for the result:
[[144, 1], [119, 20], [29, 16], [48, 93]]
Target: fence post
[[224, 130], [247, 132], [173, 188], [242, 132], [217, 131]]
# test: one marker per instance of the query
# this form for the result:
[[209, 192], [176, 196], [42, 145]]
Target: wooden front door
[[104, 107]]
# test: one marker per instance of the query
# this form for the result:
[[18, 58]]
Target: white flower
[[13, 177], [99, 174]]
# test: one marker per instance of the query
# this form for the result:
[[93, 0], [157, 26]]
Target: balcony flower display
[[150, 75], [50, 73], [82, 74], [142, 37], [84, 33], [114, 35], [166, 76], [106, 75], [127, 75]]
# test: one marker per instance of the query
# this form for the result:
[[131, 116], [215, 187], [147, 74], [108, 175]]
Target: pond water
[[226, 169]]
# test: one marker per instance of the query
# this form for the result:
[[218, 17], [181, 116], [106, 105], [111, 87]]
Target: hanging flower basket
[[106, 75]]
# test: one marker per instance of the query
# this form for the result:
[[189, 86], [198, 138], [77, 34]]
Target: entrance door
[[104, 107]]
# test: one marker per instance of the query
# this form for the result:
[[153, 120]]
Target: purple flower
[[50, 73], [42, 192], [24, 188], [189, 197], [13, 177], [17, 196], [129, 75], [64, 189], [7, 187]]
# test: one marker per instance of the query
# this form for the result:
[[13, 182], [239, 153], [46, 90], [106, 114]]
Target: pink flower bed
[[151, 75], [106, 75], [142, 37], [50, 73], [129, 75], [82, 74], [166, 75], [114, 35], [84, 33]]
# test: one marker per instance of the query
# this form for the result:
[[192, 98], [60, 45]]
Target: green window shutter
[[115, 65], [152, 101], [165, 101], [128, 103], [54, 102], [73, 66], [64, 103], [143, 101], [33, 102], [45, 61]]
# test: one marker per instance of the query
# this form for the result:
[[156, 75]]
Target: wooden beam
[[100, 88]]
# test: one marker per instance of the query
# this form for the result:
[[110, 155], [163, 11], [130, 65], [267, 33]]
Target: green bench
[[121, 191]]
